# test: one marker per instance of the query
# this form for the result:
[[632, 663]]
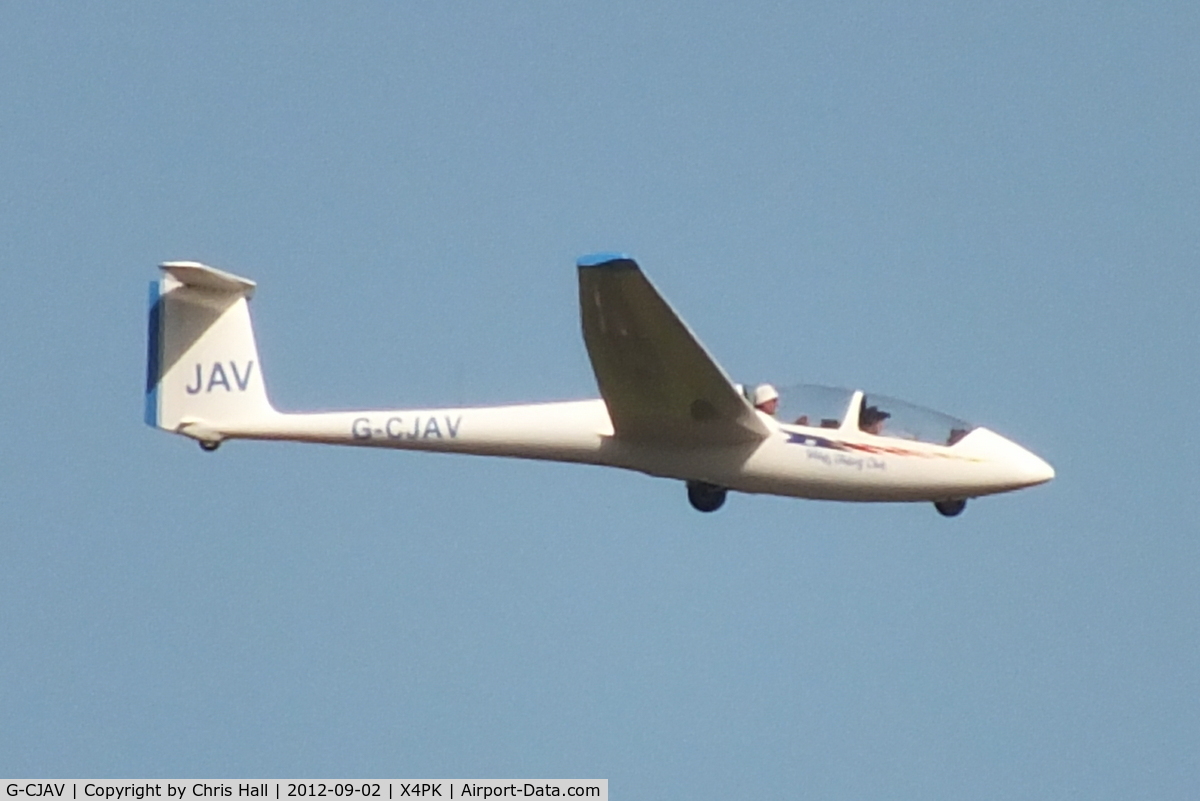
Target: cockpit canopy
[[831, 407]]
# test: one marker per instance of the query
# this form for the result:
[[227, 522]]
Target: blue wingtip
[[615, 260]]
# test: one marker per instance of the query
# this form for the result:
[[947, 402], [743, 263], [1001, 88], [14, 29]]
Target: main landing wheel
[[209, 446], [705, 497], [950, 508]]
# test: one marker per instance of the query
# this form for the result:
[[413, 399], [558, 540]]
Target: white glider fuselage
[[667, 409], [864, 468]]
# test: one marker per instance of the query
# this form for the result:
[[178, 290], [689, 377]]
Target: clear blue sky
[[994, 211]]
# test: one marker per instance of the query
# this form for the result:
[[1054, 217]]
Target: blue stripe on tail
[[153, 354]]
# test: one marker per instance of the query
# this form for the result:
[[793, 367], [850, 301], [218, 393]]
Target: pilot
[[766, 399], [871, 419]]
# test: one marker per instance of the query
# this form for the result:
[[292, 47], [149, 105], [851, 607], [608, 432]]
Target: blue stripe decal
[[796, 438], [153, 355]]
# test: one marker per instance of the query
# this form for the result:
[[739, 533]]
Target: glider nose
[[1036, 469], [1013, 466], [1027, 468]]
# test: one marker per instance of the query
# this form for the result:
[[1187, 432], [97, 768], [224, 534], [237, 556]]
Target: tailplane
[[203, 375]]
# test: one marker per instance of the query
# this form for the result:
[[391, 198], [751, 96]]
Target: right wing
[[658, 381]]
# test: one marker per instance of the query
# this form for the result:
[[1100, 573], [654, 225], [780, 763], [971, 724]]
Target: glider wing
[[658, 381]]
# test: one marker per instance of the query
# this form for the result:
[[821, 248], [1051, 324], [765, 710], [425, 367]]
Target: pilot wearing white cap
[[766, 399]]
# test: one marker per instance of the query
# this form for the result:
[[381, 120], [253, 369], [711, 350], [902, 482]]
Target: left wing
[[660, 384]]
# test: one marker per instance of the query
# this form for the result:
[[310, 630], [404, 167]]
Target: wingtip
[[610, 260]]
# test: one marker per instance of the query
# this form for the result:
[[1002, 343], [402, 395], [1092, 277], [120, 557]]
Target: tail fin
[[203, 375]]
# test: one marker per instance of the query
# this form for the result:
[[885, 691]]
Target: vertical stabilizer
[[203, 374]]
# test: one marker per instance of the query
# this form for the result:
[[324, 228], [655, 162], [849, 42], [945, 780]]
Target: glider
[[666, 407]]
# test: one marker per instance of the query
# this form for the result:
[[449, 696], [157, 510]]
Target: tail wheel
[[705, 497], [950, 508]]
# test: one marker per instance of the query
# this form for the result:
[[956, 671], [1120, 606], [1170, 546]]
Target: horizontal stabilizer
[[201, 276]]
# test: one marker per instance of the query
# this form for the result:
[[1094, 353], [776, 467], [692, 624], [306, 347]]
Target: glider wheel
[[950, 508], [705, 497], [209, 446]]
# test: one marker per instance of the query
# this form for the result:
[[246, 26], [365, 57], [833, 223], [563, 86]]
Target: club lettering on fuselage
[[218, 378]]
